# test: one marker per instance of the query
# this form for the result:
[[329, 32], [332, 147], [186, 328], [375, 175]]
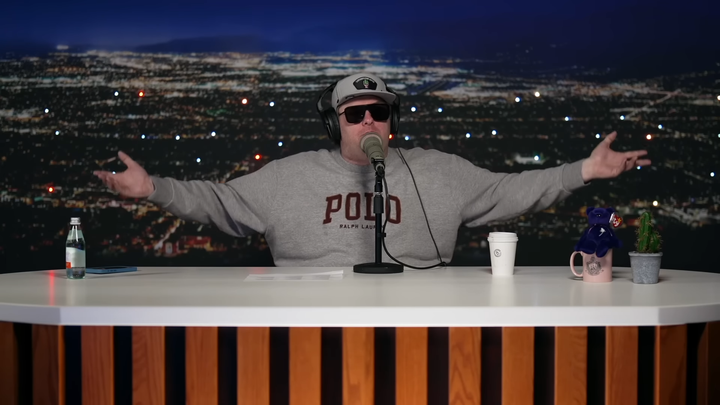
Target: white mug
[[595, 269]]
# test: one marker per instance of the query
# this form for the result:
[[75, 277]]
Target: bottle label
[[74, 257]]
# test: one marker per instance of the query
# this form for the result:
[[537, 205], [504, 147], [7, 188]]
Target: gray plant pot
[[645, 267]]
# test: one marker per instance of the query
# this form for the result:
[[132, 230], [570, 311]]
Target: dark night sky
[[150, 21]]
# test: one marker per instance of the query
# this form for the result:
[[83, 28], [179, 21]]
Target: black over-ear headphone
[[330, 117]]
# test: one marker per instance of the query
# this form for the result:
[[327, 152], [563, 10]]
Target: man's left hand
[[605, 163]]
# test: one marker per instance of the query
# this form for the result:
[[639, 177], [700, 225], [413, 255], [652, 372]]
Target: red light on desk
[[141, 94], [257, 157], [51, 189], [391, 136]]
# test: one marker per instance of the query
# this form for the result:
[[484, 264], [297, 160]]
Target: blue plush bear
[[599, 237]]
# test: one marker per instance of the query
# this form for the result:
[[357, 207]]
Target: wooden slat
[[621, 365], [358, 366], [670, 364], [201, 365], [253, 352], [98, 365], [253, 365], [411, 366], [305, 360], [48, 353], [464, 385], [708, 375], [148, 365], [8, 364], [518, 349], [571, 365]]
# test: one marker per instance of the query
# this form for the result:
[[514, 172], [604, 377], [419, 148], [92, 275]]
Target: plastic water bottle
[[75, 251]]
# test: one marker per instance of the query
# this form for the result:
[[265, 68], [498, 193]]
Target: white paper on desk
[[324, 276]]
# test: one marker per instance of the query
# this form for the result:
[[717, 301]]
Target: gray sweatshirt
[[315, 208]]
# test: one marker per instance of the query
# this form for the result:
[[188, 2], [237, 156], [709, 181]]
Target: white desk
[[465, 299], [459, 296]]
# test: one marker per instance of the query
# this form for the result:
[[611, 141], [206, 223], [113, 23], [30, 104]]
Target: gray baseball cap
[[360, 84]]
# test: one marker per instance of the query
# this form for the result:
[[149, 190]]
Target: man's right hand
[[133, 182]]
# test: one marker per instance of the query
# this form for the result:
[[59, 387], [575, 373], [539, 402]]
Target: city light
[[440, 109], [537, 94], [407, 138], [494, 132], [622, 117], [468, 135], [117, 94], [212, 133], [597, 136], [257, 157], [660, 126], [51, 189], [47, 111], [142, 136], [244, 101], [648, 137], [536, 158], [141, 94], [280, 143], [655, 203], [413, 109], [272, 104], [567, 118], [517, 99], [197, 160], [57, 132], [177, 137]]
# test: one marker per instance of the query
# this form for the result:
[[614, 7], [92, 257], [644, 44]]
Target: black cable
[[441, 262]]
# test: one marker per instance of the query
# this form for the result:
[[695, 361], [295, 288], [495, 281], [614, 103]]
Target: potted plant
[[645, 262]]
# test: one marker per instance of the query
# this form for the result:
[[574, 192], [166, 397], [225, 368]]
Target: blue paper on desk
[[110, 269], [324, 276]]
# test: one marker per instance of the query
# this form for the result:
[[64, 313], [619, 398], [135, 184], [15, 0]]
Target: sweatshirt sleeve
[[239, 207], [485, 196]]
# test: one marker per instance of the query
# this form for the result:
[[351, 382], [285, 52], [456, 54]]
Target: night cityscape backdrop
[[216, 90]]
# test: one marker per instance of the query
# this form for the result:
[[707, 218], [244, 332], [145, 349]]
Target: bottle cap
[[74, 221]]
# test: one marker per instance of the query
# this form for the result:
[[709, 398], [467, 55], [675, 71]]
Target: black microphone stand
[[378, 267]]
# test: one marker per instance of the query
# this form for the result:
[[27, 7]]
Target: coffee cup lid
[[502, 237]]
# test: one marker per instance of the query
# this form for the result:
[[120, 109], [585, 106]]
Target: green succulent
[[648, 239]]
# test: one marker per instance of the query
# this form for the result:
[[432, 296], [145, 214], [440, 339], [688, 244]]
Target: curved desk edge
[[360, 316]]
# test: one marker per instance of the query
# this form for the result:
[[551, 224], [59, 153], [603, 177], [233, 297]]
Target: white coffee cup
[[502, 252]]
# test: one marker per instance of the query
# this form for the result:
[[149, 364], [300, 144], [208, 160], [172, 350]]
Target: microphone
[[371, 144]]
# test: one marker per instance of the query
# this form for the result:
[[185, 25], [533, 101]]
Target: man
[[315, 208]]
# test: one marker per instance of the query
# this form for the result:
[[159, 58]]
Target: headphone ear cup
[[395, 120], [328, 115], [395, 113], [332, 124]]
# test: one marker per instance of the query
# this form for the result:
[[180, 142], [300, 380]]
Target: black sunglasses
[[356, 113]]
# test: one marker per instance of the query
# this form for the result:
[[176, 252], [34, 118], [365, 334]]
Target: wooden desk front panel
[[362, 366]]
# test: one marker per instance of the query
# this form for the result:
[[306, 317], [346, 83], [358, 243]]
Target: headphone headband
[[319, 104]]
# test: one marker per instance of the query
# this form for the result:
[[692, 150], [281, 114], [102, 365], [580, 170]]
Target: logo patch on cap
[[365, 83]]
